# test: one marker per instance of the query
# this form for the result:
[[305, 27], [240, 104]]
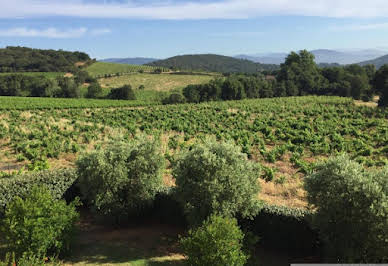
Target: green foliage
[[22, 59], [301, 74], [94, 91], [27, 85], [123, 93], [174, 98], [218, 241], [26, 259], [100, 69], [212, 63], [69, 88], [121, 179], [380, 85], [56, 181], [216, 178], [39, 224], [351, 210]]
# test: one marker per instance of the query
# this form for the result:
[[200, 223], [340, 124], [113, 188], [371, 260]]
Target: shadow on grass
[[136, 245]]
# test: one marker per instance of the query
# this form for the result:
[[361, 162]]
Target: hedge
[[58, 182], [277, 227], [284, 228]]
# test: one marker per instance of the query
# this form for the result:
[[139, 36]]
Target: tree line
[[23, 59], [60, 87], [298, 76]]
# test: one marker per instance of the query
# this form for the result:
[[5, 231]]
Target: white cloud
[[194, 10], [53, 33]]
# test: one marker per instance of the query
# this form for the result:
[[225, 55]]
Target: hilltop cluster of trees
[[23, 59], [212, 63], [232, 88], [298, 76]]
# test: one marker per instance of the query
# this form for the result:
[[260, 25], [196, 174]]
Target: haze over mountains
[[321, 56]]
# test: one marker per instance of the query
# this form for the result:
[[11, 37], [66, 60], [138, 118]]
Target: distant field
[[156, 82], [50, 75], [100, 69]]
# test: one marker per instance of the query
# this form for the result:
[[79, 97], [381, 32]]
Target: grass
[[50, 75], [156, 82], [99, 69]]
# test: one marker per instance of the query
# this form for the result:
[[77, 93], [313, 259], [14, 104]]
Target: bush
[[351, 210], [58, 182], [218, 241], [123, 179], [174, 98], [216, 178], [39, 224], [123, 93], [94, 91]]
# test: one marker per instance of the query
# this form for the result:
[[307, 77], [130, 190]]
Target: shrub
[[351, 210], [216, 178], [39, 224], [218, 241], [57, 182], [123, 93], [123, 179], [174, 98], [94, 91]]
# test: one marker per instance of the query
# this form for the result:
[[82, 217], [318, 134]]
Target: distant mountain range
[[130, 61], [213, 63], [257, 62], [378, 62], [321, 56]]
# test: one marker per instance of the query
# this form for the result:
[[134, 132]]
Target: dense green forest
[[213, 63], [298, 76], [23, 59]]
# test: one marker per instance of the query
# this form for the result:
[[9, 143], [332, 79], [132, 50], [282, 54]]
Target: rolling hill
[[130, 61], [378, 62], [212, 63], [100, 69], [23, 59]]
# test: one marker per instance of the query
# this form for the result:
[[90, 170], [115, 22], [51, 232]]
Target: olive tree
[[218, 242], [121, 179], [216, 178], [351, 206]]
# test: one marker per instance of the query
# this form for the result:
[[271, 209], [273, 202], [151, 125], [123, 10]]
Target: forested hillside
[[23, 59], [213, 63], [378, 62]]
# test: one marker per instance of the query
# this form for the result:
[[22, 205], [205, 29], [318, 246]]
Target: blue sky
[[157, 28]]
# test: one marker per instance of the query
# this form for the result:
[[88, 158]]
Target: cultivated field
[[100, 69], [287, 135], [156, 82]]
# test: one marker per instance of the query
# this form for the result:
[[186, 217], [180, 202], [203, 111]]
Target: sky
[[164, 28]]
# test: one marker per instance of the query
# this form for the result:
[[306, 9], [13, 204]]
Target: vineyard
[[103, 69], [287, 135], [162, 82]]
